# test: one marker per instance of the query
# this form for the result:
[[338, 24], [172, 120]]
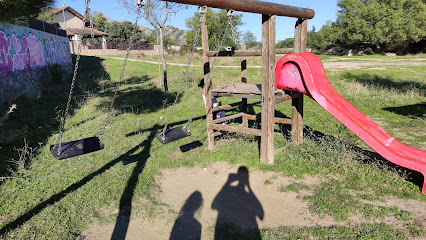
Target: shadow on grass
[[385, 82], [125, 209], [35, 120], [369, 156], [125, 201], [139, 99], [412, 111]]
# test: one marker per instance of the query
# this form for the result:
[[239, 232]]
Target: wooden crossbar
[[246, 53], [254, 6]]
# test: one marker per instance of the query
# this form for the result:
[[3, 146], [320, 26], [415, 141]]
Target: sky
[[324, 10]]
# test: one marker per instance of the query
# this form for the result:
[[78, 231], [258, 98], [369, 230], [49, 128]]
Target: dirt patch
[[223, 191]]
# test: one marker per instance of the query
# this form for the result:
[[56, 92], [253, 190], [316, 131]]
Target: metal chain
[[63, 14], [64, 119], [194, 43], [234, 33], [188, 124], [92, 34], [117, 86]]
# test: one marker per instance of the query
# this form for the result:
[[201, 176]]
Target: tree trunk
[[166, 89], [160, 83]]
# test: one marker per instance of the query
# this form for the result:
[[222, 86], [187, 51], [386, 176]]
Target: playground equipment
[[62, 150], [304, 73], [169, 135], [265, 91]]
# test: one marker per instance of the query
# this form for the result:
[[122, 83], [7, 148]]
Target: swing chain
[[63, 14], [194, 43], [117, 86], [234, 33], [188, 124], [92, 34], [64, 118]]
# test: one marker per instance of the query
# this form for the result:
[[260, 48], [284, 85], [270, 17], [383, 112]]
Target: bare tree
[[157, 12]]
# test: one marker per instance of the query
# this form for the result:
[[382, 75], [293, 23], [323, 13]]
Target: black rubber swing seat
[[173, 134], [76, 148]]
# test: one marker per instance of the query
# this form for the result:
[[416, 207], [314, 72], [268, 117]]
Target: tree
[[286, 43], [152, 38], [120, 32], [10, 10], [157, 12], [100, 21], [250, 40], [382, 22], [47, 16], [216, 24]]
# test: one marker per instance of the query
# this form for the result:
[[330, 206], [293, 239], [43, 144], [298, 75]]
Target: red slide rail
[[305, 73]]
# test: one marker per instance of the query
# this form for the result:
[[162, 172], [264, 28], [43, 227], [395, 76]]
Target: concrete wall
[[28, 59]]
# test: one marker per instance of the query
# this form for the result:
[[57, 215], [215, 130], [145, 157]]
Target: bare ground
[[279, 208]]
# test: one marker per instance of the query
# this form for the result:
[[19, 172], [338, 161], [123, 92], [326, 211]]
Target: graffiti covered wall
[[27, 59]]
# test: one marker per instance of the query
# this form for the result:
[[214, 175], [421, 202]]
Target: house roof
[[67, 8], [73, 31], [86, 32]]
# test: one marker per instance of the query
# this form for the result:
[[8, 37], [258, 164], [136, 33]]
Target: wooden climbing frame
[[265, 90]]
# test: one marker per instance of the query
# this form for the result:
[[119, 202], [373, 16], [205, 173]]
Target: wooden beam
[[227, 106], [207, 81], [237, 129], [253, 6], [247, 53], [268, 96], [224, 119], [300, 36], [276, 119], [244, 80]]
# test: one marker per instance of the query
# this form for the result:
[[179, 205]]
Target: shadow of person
[[237, 208], [186, 226]]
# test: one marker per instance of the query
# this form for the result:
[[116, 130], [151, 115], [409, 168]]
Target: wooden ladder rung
[[227, 106], [276, 119], [237, 129], [224, 119]]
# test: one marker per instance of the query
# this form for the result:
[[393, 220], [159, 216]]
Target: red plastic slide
[[305, 73]]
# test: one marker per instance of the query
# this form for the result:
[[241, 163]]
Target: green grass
[[41, 197]]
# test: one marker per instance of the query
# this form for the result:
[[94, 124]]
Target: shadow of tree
[[142, 98], [35, 120], [386, 82], [412, 111], [126, 198], [125, 209]]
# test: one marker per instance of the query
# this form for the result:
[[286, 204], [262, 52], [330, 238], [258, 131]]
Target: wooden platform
[[244, 90]]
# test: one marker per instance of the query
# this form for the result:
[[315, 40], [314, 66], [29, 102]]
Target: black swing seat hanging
[[76, 148], [172, 134]]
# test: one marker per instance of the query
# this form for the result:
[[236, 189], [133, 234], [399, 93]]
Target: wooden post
[[244, 80], [207, 82], [268, 59], [300, 35]]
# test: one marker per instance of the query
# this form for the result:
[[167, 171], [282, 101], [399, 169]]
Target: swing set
[[62, 150], [243, 90]]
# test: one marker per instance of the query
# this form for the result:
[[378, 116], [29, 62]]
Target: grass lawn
[[43, 198]]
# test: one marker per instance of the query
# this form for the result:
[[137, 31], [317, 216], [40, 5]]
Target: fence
[[122, 46], [53, 28]]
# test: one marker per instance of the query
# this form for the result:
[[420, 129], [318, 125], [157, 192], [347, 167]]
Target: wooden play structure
[[265, 90]]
